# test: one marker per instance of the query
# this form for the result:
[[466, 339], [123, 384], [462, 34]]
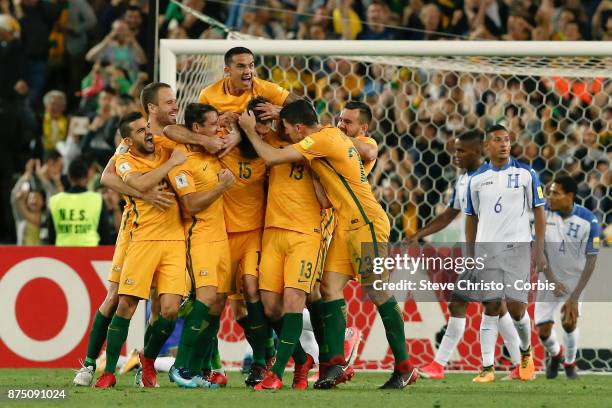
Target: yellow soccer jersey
[[200, 172], [149, 223], [368, 165], [244, 203], [292, 202], [218, 95], [333, 157]]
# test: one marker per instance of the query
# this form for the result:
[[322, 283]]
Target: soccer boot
[[513, 374], [84, 376], [571, 371], [182, 377], [432, 371], [256, 375], [334, 374], [300, 373], [107, 380], [487, 375], [148, 375], [401, 379], [131, 362], [218, 377], [553, 363], [527, 367], [352, 339], [270, 382]]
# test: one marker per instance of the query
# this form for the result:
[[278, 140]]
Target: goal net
[[554, 97]]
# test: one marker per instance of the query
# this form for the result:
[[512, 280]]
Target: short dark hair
[[132, 7], [567, 182], [149, 94], [471, 135], [253, 104], [52, 155], [77, 170], [495, 128], [124, 123], [196, 113], [300, 111], [229, 55], [365, 113]]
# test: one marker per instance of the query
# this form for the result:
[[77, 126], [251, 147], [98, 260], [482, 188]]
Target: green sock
[[299, 354], [215, 361], [290, 336], [334, 322], [316, 319], [270, 347], [161, 330], [117, 333], [258, 328], [393, 321], [201, 347], [97, 335], [210, 335], [148, 332], [191, 330]]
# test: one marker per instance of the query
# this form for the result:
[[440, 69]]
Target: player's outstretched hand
[[226, 178], [227, 119], [247, 122], [177, 157], [158, 198], [268, 111]]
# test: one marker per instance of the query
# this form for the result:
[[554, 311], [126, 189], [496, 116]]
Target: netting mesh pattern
[[559, 124]]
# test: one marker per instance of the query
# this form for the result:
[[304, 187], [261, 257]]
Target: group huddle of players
[[200, 224]]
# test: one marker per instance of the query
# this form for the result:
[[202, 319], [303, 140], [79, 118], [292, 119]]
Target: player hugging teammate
[[198, 224]]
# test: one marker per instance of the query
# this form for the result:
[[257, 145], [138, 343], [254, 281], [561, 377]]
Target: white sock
[[488, 338], [510, 336], [551, 344], [307, 325], [307, 338], [523, 328], [571, 345], [454, 332], [163, 364]]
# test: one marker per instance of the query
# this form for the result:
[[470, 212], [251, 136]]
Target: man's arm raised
[[159, 199], [151, 179], [181, 134], [367, 151], [270, 155]]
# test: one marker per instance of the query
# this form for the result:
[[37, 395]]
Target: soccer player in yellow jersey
[[200, 183], [288, 268], [354, 121], [335, 160], [156, 251]]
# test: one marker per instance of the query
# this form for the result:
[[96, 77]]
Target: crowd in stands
[[69, 69]]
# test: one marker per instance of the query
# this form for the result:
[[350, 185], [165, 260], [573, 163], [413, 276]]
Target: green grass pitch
[[455, 391]]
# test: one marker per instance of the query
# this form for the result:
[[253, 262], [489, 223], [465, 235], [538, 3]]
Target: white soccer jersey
[[459, 197], [569, 241], [502, 199], [458, 200]]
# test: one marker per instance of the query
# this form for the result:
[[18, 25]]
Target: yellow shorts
[[245, 252], [154, 263], [352, 251], [123, 239], [209, 263], [290, 259]]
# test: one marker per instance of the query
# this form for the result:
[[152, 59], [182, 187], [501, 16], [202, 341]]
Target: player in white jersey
[[572, 244], [468, 156], [500, 196]]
